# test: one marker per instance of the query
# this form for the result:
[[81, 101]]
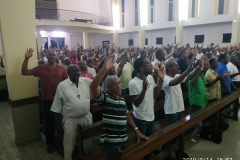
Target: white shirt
[[157, 61], [233, 69], [92, 71], [199, 55], [145, 111], [66, 100], [173, 96]]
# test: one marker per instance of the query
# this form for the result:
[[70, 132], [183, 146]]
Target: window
[[45, 42], [227, 38], [57, 42], [220, 6], [199, 38], [136, 13], [159, 40], [130, 42], [123, 11], [193, 8], [146, 41], [151, 11], [170, 10]]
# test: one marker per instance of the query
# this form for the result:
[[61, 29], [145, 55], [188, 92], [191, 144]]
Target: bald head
[[82, 65]]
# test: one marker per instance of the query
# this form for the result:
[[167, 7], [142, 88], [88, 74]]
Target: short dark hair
[[221, 56], [182, 52], [190, 56], [138, 64], [212, 60], [158, 53], [169, 64]]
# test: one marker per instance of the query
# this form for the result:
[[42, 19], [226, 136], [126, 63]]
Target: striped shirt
[[114, 118]]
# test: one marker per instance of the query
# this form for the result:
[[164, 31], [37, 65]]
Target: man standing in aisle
[[50, 74], [72, 106]]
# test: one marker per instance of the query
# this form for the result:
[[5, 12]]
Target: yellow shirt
[[213, 92], [126, 75]]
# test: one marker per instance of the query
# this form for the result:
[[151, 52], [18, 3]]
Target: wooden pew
[[141, 149]]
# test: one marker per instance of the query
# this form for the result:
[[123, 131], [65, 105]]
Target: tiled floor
[[229, 148], [8, 148]]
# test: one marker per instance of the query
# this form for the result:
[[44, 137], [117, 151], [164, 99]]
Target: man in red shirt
[[50, 74], [84, 73], [74, 59]]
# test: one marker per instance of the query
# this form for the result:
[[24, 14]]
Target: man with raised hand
[[50, 74], [114, 111]]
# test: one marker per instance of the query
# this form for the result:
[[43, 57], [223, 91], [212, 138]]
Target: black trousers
[[49, 121]]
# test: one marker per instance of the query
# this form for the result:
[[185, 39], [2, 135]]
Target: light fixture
[[58, 33], [42, 32], [234, 21]]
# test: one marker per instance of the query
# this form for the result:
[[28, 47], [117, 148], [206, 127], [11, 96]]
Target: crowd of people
[[72, 80]]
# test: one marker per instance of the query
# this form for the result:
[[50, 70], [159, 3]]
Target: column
[[39, 40], [143, 20], [181, 8], [115, 38], [23, 90], [142, 37], [236, 23], [85, 40]]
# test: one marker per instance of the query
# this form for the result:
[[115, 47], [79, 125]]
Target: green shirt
[[197, 94]]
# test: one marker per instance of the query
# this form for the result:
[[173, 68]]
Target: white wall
[[96, 7], [206, 14], [95, 39], [167, 34], [75, 39], [212, 33], [124, 37]]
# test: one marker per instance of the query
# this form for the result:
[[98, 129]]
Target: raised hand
[[108, 62], [226, 74], [29, 53], [219, 77], [191, 64], [161, 72], [145, 84]]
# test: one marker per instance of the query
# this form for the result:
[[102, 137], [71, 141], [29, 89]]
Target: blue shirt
[[220, 70]]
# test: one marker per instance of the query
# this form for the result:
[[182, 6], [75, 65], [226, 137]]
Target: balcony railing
[[68, 15]]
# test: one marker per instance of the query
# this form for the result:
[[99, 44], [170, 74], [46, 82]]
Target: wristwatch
[[136, 128]]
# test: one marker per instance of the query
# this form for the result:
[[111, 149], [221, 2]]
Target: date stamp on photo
[[207, 158]]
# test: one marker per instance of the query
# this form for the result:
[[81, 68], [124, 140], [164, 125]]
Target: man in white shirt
[[174, 105], [231, 66], [143, 90], [72, 105]]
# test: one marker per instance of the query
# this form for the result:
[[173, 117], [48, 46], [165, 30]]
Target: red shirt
[[74, 61], [90, 76], [50, 78]]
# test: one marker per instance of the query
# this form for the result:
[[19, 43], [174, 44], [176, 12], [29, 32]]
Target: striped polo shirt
[[114, 118]]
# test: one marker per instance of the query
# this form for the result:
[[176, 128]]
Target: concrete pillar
[[23, 90], [85, 40], [115, 38], [141, 37], [179, 24], [236, 22], [39, 40]]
